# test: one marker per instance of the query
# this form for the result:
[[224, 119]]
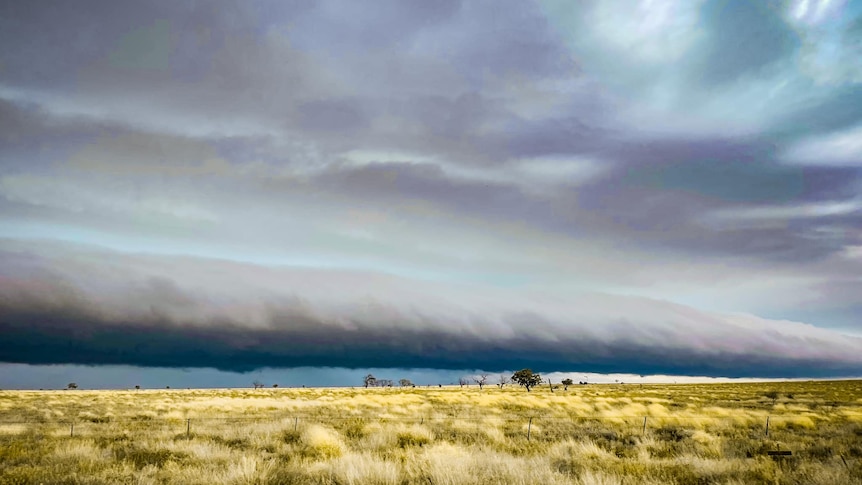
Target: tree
[[138, 388], [257, 384], [405, 382], [481, 379], [72, 385], [369, 380], [526, 378], [566, 384], [274, 386], [503, 380]]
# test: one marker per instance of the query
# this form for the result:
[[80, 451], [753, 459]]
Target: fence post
[[72, 431], [189, 428], [295, 423], [529, 428], [767, 426], [643, 431]]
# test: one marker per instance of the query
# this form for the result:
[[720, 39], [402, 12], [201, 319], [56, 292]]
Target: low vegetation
[[401, 435]]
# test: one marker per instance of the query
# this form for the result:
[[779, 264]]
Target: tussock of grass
[[322, 442]]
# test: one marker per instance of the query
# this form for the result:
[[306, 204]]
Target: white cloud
[[842, 148], [782, 213], [655, 31], [813, 12], [79, 196]]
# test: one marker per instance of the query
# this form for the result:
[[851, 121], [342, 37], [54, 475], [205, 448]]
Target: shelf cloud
[[76, 307]]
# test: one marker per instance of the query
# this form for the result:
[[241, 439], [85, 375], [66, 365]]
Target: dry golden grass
[[697, 434]]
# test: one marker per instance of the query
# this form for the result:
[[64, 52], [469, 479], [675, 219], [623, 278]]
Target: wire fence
[[526, 426]]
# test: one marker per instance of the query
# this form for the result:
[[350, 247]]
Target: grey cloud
[[250, 131], [741, 39], [355, 27], [23, 132], [832, 111], [657, 194], [336, 116], [191, 315]]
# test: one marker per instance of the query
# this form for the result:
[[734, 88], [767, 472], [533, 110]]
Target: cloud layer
[[672, 152], [82, 307]]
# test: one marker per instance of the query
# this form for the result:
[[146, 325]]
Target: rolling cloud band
[[198, 314]]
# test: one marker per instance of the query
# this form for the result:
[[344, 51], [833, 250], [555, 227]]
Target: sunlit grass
[[609, 434]]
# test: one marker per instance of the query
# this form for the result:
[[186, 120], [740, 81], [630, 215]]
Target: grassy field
[[596, 434]]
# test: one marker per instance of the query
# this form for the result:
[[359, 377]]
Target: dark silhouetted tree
[[526, 378], [137, 388], [274, 386], [566, 384], [257, 384], [369, 380], [72, 385], [481, 379], [405, 382]]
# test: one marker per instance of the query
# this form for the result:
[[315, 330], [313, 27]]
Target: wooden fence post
[[643, 431], [767, 426], [529, 428], [188, 428]]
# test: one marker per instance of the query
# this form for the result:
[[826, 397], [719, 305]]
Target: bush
[[141, 457], [672, 433]]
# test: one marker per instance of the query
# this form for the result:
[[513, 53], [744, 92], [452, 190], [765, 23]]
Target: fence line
[[632, 421], [105, 419]]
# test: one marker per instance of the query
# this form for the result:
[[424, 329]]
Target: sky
[[204, 192]]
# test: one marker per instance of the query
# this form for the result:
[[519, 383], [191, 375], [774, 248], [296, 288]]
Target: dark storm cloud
[[231, 347], [52, 314]]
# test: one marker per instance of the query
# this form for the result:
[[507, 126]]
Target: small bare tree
[[72, 385], [463, 381], [405, 382], [503, 380], [481, 379], [257, 384], [566, 384]]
